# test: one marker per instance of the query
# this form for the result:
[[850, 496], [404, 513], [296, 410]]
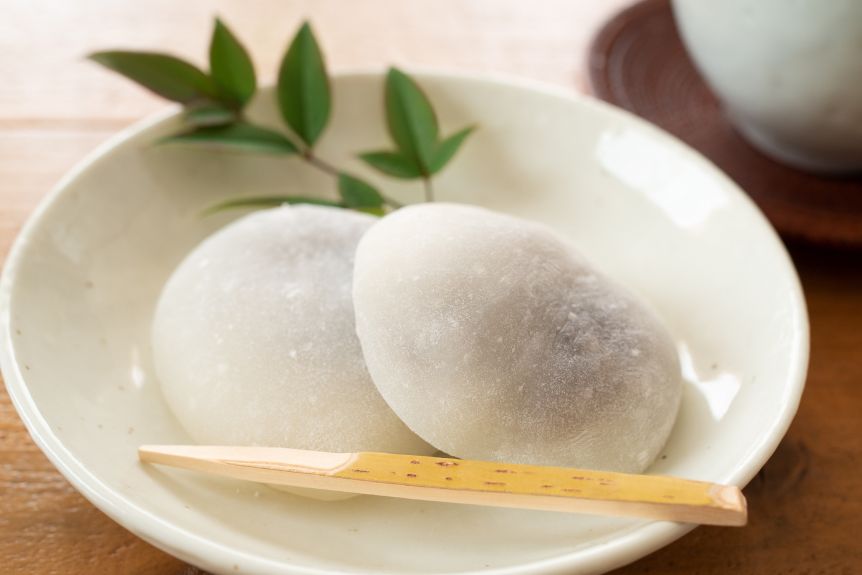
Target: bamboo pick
[[466, 481]]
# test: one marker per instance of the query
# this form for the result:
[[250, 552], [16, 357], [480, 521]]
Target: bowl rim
[[615, 551]]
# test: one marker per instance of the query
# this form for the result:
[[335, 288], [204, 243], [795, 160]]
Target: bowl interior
[[81, 284]]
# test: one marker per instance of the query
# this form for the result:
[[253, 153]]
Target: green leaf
[[260, 202], [447, 148], [392, 164], [303, 87], [373, 211], [356, 193], [411, 120], [165, 75], [209, 115], [238, 136], [231, 67]]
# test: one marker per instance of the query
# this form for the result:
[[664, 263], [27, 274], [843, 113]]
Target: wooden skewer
[[466, 481]]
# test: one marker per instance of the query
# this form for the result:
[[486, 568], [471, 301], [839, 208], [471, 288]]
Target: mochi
[[254, 340], [492, 338]]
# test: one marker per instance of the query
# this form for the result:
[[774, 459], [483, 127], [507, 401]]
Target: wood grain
[[54, 107]]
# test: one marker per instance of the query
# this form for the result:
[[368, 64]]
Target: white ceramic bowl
[[787, 74], [80, 283]]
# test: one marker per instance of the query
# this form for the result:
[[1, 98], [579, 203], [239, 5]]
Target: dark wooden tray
[[637, 61]]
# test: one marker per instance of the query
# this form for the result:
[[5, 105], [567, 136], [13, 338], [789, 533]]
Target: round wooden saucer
[[638, 62]]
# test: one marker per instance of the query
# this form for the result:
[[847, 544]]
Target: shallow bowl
[[81, 281]]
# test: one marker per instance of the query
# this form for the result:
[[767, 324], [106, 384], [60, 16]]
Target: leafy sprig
[[214, 103], [231, 67], [304, 97], [412, 123]]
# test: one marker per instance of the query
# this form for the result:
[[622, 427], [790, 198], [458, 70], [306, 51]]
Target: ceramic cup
[[788, 73]]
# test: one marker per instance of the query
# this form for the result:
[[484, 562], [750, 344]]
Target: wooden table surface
[[806, 505]]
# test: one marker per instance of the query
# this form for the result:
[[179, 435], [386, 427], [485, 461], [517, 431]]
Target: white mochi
[[494, 339], [254, 340]]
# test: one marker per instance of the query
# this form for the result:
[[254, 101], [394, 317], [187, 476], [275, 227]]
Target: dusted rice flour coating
[[254, 339], [494, 339]]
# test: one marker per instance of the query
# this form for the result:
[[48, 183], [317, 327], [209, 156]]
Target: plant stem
[[328, 168], [321, 165], [429, 191], [311, 159]]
